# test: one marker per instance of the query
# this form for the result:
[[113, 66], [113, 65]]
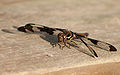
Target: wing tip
[[22, 29], [112, 48]]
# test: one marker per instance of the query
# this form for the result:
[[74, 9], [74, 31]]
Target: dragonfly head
[[70, 35]]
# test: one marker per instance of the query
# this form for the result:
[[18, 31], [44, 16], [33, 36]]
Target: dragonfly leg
[[62, 39]]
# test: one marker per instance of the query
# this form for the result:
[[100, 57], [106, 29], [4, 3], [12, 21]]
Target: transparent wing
[[99, 44], [88, 42], [78, 46], [90, 48]]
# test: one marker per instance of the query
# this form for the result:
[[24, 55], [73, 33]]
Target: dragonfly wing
[[76, 45], [90, 48], [41, 28], [100, 44]]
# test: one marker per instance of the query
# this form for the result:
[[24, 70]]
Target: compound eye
[[68, 35]]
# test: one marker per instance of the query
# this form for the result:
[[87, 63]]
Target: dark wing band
[[36, 27]]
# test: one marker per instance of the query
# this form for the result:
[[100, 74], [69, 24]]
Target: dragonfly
[[68, 38]]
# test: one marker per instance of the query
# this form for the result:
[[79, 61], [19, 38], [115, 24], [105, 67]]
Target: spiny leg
[[63, 44]]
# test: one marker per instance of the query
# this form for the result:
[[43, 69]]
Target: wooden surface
[[22, 53]]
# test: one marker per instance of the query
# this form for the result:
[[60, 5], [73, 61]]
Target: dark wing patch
[[93, 41], [29, 27], [36, 27], [22, 29], [26, 27], [112, 48], [47, 30]]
